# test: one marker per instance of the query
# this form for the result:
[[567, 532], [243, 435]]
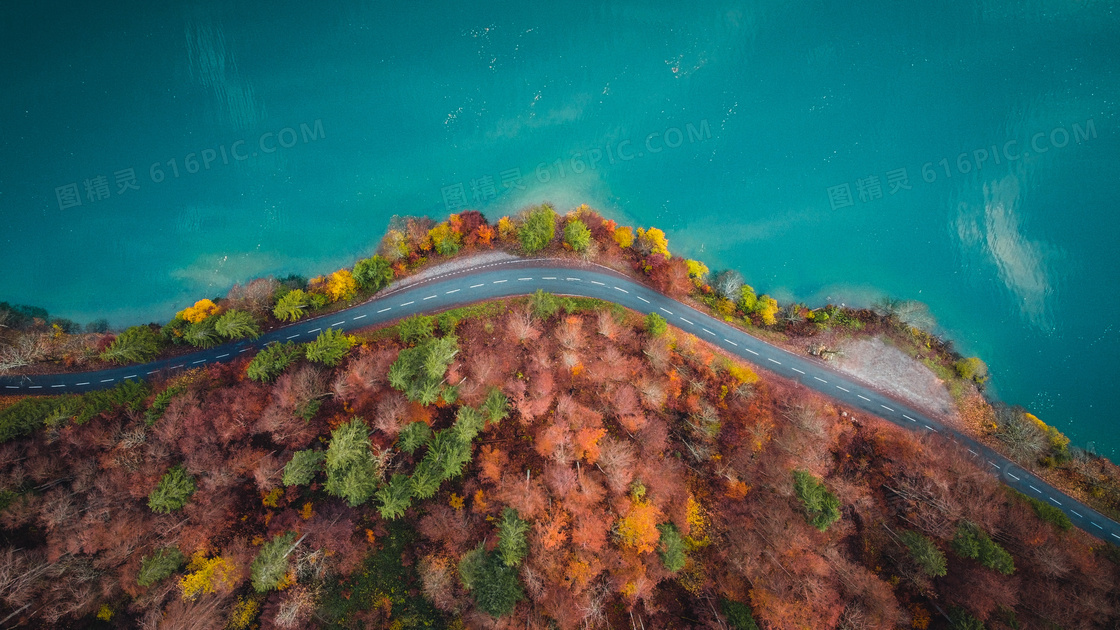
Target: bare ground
[[890, 370]]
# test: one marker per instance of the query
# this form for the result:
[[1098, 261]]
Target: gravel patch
[[892, 371]]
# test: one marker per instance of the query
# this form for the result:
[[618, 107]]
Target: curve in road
[[521, 277]]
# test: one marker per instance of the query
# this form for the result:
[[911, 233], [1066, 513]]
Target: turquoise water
[[756, 114]]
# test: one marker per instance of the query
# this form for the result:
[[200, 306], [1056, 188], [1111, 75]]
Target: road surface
[[521, 277]]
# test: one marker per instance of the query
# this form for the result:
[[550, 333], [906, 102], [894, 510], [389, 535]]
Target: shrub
[[1048, 513], [972, 542], [672, 550], [352, 473], [576, 235], [339, 285], [173, 491], [130, 394], [163, 563], [925, 553], [963, 620], [203, 334], [747, 299], [270, 567], [329, 347], [137, 344], [496, 406], [373, 273], [292, 305], [445, 241], [493, 585], [415, 329], [161, 402], [538, 230], [414, 436], [544, 304], [822, 508], [24, 417], [656, 325], [418, 372], [468, 423], [394, 497], [272, 360], [512, 545], [972, 369], [301, 469], [738, 614], [237, 325], [201, 310]]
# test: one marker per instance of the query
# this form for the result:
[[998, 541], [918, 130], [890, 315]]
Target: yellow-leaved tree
[[624, 236], [207, 575], [653, 241], [201, 310], [638, 529]]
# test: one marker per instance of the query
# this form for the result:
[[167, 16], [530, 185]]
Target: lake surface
[[964, 154]]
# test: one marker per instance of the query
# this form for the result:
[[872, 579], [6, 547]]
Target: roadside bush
[[352, 473], [544, 304], [538, 230], [329, 347], [1048, 512], [576, 235], [138, 344], [237, 325], [373, 273], [656, 325], [292, 305], [272, 360], [418, 372], [415, 329]]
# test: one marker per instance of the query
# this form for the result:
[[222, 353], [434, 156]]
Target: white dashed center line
[[524, 279], [17, 387], [548, 278], [385, 309], [842, 389], [108, 380], [498, 281], [199, 361], [621, 289], [474, 286], [773, 361], [451, 291], [1074, 512], [221, 356], [1099, 527], [864, 397], [935, 431], [666, 310], [686, 321], [708, 331], [58, 386], [1034, 488], [34, 387], [293, 336], [314, 330], [85, 383], [573, 279], [150, 373], [973, 452], [598, 283], [797, 370], [131, 376], [430, 297], [1013, 477], [732, 342], [820, 379], [361, 316], [886, 407], [913, 420], [751, 351], [642, 299], [339, 323], [1054, 500]]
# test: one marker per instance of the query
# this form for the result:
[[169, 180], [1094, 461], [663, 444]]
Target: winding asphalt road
[[521, 277]]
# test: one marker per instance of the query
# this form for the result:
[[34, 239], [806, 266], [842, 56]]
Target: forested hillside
[[532, 463]]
